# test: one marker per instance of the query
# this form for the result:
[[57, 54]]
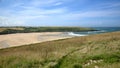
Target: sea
[[99, 31]]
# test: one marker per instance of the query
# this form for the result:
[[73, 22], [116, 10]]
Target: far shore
[[19, 39]]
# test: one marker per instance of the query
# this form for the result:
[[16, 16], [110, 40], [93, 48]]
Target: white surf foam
[[95, 32], [73, 34]]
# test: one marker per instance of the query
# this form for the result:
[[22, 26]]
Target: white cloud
[[34, 11], [30, 12], [42, 2], [110, 5], [58, 3], [28, 16], [90, 14], [99, 13], [10, 21], [45, 3]]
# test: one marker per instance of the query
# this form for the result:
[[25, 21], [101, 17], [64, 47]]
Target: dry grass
[[2, 28], [66, 53]]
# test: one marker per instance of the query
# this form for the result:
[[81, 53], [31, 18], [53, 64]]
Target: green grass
[[101, 51], [9, 30], [12, 28]]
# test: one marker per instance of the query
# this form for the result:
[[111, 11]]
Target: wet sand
[[19, 39]]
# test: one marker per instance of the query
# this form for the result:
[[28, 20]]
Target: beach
[[19, 39]]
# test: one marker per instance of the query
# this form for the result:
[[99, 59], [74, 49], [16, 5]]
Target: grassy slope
[[8, 30], [13, 28], [101, 51]]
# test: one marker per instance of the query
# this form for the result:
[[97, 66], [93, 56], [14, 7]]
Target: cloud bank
[[58, 12]]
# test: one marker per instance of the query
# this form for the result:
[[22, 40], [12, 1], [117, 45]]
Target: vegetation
[[95, 51], [12, 28], [9, 30]]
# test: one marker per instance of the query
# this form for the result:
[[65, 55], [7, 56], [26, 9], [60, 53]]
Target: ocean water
[[100, 30]]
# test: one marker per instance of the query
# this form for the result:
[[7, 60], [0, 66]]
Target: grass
[[101, 51], [12, 28], [9, 30]]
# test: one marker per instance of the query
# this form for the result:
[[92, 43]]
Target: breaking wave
[[71, 33]]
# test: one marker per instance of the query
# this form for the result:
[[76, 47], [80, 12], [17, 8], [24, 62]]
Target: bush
[[77, 66]]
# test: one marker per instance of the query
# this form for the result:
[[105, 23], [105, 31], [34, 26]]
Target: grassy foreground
[[95, 51], [9, 30]]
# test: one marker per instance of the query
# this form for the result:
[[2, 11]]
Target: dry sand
[[19, 39]]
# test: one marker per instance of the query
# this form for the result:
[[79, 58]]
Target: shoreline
[[20, 39], [74, 34]]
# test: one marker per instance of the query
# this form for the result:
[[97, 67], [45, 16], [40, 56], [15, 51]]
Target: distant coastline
[[11, 30]]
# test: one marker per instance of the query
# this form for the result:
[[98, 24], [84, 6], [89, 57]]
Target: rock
[[96, 67]]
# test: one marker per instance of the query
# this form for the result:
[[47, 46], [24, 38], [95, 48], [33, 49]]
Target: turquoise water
[[100, 30]]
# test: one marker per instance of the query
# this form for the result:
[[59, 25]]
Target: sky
[[85, 13]]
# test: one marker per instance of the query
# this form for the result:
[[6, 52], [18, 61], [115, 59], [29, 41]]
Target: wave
[[71, 33], [96, 32], [86, 33], [101, 31]]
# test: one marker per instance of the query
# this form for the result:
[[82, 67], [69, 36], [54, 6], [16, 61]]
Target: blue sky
[[86, 13]]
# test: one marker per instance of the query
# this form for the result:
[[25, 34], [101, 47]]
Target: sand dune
[[11, 40]]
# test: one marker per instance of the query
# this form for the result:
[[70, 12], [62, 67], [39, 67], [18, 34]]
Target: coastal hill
[[9, 30], [94, 51]]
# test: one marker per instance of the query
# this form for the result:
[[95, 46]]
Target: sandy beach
[[19, 39]]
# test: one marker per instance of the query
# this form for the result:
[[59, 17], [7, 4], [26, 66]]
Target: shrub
[[77, 66]]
